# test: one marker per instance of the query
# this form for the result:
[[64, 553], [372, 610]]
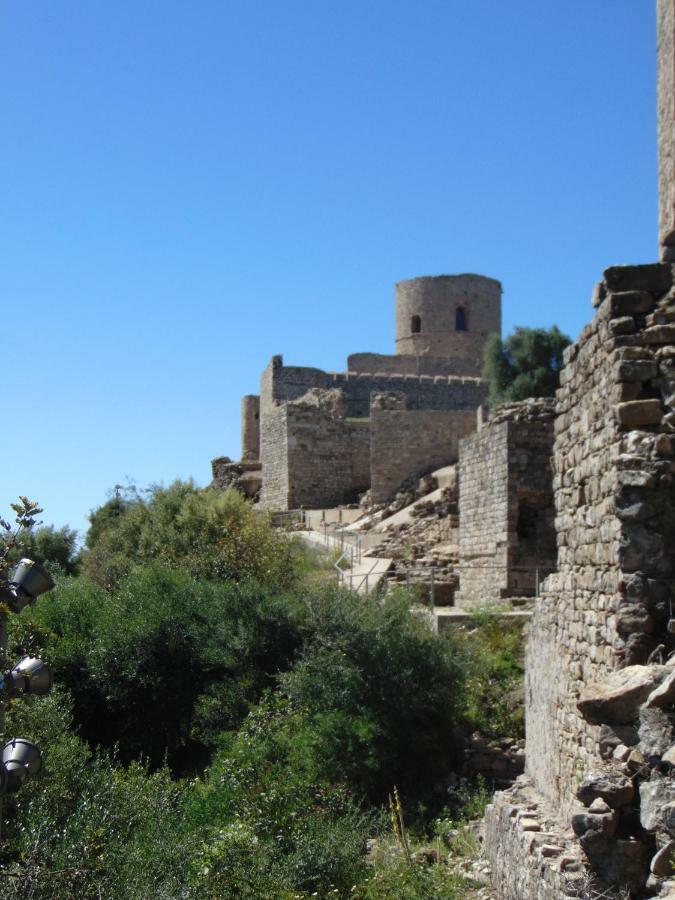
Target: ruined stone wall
[[274, 458], [280, 382], [312, 455], [666, 93], [250, 427], [406, 443], [402, 364], [506, 539], [603, 608], [608, 605]]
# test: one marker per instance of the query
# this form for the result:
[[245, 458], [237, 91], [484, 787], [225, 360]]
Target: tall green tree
[[526, 364]]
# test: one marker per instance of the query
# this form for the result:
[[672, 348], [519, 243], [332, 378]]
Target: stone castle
[[583, 486], [313, 439]]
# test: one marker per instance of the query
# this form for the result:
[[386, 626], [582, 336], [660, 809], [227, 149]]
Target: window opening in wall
[[460, 319], [415, 325]]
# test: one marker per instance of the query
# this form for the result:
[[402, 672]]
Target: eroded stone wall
[[312, 455], [507, 541], [280, 383], [609, 603], [250, 427], [405, 443]]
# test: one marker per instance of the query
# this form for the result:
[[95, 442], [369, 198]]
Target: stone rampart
[[281, 383], [312, 455], [609, 603], [402, 364], [507, 541], [405, 443]]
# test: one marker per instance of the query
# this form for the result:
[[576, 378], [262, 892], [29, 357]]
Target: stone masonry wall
[[666, 93], [312, 455], [609, 603], [274, 458], [506, 531], [281, 382], [250, 427], [402, 364], [406, 443], [600, 609]]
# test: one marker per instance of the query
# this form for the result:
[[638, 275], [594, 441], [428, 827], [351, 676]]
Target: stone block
[[656, 278], [637, 413], [630, 303]]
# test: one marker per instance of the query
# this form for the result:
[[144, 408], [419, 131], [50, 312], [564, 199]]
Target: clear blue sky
[[191, 187]]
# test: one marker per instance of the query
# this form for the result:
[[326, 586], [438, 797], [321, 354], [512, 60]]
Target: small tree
[[526, 364]]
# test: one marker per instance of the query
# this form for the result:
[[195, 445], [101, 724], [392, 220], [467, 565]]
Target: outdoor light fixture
[[30, 676], [20, 760], [26, 583]]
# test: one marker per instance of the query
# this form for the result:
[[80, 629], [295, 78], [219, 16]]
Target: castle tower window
[[460, 319], [415, 325]]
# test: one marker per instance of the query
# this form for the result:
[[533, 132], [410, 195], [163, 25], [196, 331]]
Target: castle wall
[[433, 302], [614, 540], [312, 455], [608, 604], [280, 382], [400, 364], [274, 458], [407, 442], [250, 427], [506, 504], [666, 136]]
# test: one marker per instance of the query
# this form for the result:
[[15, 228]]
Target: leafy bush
[[206, 533], [164, 660], [492, 652], [526, 364]]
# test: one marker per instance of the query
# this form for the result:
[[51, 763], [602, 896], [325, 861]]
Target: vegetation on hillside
[[525, 364], [223, 726]]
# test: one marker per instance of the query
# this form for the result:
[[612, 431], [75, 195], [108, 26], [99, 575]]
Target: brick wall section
[[506, 504], [412, 442]]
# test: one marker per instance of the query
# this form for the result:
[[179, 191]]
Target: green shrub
[[491, 650], [206, 533], [164, 660]]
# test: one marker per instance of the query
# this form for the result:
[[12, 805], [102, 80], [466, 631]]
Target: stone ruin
[[305, 447], [581, 491]]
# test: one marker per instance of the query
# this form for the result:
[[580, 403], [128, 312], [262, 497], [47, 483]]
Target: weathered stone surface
[[664, 694], [616, 700], [655, 797], [659, 334], [662, 862], [636, 370], [654, 277], [636, 413], [666, 119], [634, 618], [583, 821], [630, 303], [612, 787], [655, 731]]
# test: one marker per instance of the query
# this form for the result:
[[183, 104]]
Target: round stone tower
[[448, 316]]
